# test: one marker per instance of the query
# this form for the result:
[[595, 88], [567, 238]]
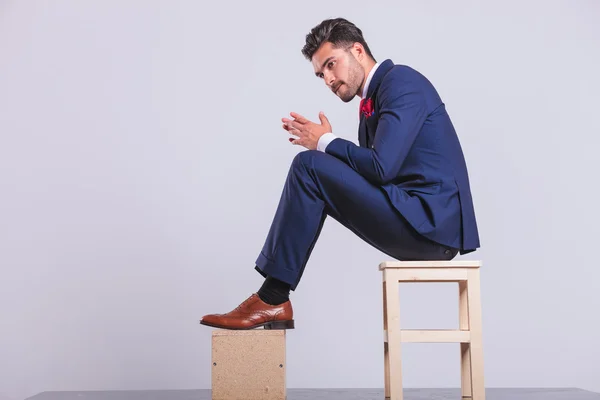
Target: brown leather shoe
[[253, 313]]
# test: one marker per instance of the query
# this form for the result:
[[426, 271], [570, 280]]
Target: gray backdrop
[[142, 158]]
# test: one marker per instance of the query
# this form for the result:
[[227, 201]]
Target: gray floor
[[328, 394]]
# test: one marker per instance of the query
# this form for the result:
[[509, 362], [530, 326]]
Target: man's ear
[[358, 50]]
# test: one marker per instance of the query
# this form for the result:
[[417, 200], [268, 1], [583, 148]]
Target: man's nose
[[329, 80]]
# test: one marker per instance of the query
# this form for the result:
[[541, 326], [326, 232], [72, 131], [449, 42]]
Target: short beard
[[356, 75]]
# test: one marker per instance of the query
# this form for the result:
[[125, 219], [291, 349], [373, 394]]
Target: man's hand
[[307, 132]]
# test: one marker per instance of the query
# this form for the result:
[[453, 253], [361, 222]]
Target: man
[[404, 189]]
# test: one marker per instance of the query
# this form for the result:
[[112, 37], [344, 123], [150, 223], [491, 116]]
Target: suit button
[[447, 252]]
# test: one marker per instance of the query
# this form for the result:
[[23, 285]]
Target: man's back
[[432, 187]]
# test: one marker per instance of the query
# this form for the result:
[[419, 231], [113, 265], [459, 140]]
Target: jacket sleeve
[[402, 113]]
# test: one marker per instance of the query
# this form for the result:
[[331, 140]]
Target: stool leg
[[386, 354], [392, 353], [465, 350], [475, 325]]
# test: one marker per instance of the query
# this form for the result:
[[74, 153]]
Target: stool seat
[[430, 264], [469, 335]]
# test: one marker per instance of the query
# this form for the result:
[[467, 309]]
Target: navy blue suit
[[404, 189]]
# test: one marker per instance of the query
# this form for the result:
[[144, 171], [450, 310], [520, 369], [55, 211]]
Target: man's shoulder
[[404, 73], [405, 79]]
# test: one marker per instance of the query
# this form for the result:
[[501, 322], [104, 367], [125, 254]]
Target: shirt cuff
[[324, 140]]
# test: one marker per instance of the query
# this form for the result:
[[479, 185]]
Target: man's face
[[340, 70]]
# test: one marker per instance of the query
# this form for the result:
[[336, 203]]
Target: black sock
[[274, 291]]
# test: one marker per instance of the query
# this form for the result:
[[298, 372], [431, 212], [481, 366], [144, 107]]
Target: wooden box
[[248, 364]]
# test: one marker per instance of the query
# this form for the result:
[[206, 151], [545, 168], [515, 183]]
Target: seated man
[[404, 189]]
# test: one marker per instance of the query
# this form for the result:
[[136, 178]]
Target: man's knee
[[307, 158]]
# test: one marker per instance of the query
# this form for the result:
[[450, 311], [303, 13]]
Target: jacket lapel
[[367, 126], [362, 132], [382, 70]]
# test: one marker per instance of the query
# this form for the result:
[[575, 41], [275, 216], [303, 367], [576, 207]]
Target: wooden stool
[[466, 273]]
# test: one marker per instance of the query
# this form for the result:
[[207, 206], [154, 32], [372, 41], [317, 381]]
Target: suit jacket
[[410, 149]]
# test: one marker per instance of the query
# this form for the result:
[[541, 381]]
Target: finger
[[298, 134], [291, 130], [293, 125], [322, 117], [287, 122], [324, 121], [299, 118]]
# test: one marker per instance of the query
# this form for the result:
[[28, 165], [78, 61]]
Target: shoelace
[[243, 304]]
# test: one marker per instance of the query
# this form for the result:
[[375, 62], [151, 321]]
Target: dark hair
[[338, 31]]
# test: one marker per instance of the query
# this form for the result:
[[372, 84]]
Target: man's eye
[[330, 65]]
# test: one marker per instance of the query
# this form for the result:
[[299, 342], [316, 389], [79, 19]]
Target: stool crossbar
[[469, 335]]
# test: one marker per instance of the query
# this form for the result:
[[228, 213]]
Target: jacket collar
[[363, 95], [375, 80]]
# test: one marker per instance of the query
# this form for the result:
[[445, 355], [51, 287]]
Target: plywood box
[[248, 364]]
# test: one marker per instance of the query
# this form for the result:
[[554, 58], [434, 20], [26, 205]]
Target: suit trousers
[[320, 185]]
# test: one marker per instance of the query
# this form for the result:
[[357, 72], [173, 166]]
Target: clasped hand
[[307, 132]]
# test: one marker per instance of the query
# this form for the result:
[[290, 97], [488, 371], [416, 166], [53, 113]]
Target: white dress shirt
[[329, 136]]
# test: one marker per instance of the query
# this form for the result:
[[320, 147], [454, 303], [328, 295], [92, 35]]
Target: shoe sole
[[266, 325]]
